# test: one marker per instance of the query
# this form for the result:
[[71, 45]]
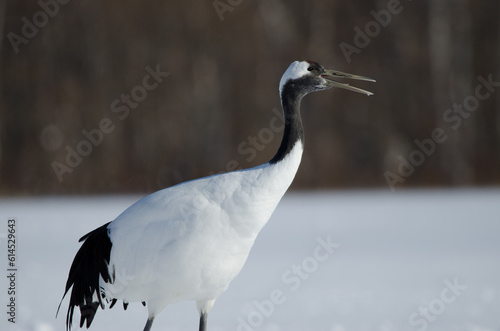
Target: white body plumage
[[189, 241]]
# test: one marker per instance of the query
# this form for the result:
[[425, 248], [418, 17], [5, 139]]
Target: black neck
[[294, 132]]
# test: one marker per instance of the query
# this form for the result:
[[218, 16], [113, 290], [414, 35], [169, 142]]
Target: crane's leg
[[149, 323], [203, 321]]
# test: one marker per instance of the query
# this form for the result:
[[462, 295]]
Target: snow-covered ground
[[333, 261]]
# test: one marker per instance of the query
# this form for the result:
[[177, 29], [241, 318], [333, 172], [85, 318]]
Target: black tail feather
[[90, 263], [112, 303]]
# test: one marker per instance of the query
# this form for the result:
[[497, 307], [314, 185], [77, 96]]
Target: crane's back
[[204, 230]]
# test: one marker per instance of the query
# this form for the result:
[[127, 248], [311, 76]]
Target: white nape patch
[[295, 70]]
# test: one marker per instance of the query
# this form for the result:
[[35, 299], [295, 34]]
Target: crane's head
[[309, 76]]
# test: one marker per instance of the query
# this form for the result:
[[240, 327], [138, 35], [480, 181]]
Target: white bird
[[189, 241]]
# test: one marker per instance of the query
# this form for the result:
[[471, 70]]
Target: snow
[[333, 261]]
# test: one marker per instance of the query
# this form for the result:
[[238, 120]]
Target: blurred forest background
[[66, 68]]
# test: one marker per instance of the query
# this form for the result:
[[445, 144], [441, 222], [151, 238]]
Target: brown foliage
[[224, 60]]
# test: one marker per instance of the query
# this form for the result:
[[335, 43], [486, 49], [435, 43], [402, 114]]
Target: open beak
[[330, 75]]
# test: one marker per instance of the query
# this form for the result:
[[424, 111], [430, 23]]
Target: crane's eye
[[310, 69]]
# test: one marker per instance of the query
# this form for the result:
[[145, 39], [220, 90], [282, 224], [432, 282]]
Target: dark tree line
[[123, 96]]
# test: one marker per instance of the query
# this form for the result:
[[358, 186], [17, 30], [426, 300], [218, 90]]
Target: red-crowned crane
[[189, 241]]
